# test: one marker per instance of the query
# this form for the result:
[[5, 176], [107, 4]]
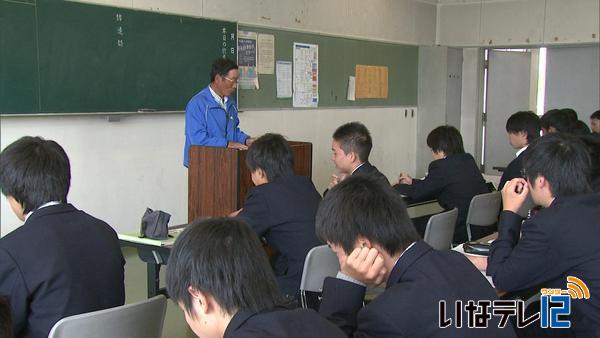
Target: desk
[[417, 209], [486, 239], [155, 253]]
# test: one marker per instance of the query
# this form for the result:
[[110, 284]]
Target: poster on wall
[[247, 60], [266, 53], [283, 74], [306, 75]]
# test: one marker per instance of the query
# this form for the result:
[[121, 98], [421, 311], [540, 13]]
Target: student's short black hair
[[363, 206], [563, 160], [354, 137], [446, 139], [592, 143], [524, 121], [595, 115], [224, 258], [5, 318], [570, 113], [273, 154], [560, 119], [221, 66], [35, 171], [580, 128]]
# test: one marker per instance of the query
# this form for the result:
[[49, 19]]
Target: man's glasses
[[232, 81]]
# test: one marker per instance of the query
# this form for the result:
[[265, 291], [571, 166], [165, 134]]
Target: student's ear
[[262, 174], [204, 300], [363, 242], [353, 156]]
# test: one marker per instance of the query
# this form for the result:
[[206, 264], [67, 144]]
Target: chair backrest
[[440, 229], [320, 262], [484, 209], [138, 320]]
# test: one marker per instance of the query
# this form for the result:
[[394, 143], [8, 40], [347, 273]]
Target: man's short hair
[[560, 119], [595, 115], [273, 154], [524, 121], [354, 137], [224, 258], [446, 139], [35, 171], [563, 160], [363, 206], [221, 66]]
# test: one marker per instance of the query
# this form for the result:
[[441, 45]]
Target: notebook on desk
[[134, 237]]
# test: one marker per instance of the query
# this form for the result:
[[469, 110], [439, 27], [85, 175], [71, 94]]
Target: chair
[[138, 320], [483, 211], [440, 229], [320, 262]]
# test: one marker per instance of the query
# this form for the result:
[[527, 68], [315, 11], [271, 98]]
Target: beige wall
[[517, 22]]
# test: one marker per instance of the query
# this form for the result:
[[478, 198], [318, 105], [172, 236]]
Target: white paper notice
[[284, 79], [266, 53], [306, 75], [351, 88]]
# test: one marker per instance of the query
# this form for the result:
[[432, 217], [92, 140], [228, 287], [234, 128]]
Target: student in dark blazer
[[220, 277], [558, 241], [281, 207], [62, 261], [453, 178], [366, 224], [523, 127], [350, 149]]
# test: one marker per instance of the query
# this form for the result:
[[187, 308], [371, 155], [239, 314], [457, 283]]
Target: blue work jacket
[[207, 124]]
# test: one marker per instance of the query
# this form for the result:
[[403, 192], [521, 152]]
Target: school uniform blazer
[[453, 181], [409, 307], [283, 211], [513, 170], [281, 322], [61, 262], [370, 170], [559, 241]]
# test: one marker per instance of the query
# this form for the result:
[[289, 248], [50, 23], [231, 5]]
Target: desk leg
[[153, 279]]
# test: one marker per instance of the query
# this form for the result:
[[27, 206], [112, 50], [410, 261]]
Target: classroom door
[[507, 92]]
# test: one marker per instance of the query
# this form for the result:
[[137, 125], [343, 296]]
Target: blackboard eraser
[[146, 110]]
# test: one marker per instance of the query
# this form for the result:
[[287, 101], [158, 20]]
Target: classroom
[[125, 161]]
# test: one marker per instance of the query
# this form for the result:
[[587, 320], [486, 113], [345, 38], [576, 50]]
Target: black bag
[[155, 224]]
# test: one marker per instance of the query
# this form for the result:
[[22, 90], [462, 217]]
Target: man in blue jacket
[[211, 117]]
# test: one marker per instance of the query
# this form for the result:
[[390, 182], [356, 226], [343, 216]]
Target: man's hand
[[405, 178], [335, 179], [235, 145], [514, 194], [479, 262], [363, 264], [249, 141], [235, 213]]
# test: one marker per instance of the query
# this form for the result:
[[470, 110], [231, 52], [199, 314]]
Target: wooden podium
[[218, 178]]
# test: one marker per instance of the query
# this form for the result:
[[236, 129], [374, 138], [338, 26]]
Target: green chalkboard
[[337, 60], [68, 57]]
